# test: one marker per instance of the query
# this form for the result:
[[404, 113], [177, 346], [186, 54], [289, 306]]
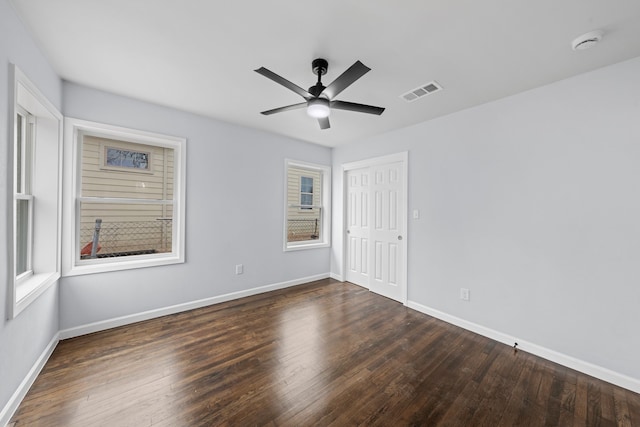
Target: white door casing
[[375, 225]]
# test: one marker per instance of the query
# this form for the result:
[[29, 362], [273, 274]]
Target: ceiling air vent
[[421, 91]]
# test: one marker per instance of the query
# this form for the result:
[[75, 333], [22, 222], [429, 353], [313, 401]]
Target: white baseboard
[[336, 276], [599, 372], [151, 314], [15, 400]]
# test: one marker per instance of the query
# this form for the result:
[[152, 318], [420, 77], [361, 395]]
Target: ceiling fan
[[319, 99]]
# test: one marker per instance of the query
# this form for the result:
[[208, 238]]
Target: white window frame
[[43, 175], [72, 264], [324, 239], [23, 191]]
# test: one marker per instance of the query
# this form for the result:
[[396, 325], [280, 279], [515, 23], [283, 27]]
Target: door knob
[[399, 237], [348, 231]]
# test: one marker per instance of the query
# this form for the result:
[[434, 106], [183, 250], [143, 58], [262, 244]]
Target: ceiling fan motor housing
[[319, 66]]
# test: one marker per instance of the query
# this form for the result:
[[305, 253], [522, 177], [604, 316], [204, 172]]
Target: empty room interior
[[334, 213]]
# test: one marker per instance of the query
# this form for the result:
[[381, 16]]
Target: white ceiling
[[199, 56]]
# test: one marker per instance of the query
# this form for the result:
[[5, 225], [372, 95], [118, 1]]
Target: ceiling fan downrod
[[319, 67]]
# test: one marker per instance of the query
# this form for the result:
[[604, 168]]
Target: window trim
[[324, 240], [73, 129], [46, 136], [24, 193]]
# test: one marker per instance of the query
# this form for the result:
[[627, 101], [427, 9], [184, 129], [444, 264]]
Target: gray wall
[[532, 202], [22, 340], [234, 214]]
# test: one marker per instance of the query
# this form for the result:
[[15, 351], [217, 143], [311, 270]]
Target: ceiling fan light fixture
[[318, 108]]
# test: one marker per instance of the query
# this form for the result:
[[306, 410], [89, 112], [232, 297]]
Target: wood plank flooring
[[325, 353]]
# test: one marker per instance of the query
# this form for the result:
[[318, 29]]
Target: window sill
[[29, 289], [306, 245], [108, 265]]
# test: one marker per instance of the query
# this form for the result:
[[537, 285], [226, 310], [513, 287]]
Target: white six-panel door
[[375, 224]]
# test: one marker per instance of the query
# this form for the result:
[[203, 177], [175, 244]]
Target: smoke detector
[[587, 41]]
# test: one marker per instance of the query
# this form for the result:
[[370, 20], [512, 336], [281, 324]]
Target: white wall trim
[[336, 276], [15, 400], [151, 314], [596, 371]]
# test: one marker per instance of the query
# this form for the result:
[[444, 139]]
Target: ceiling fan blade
[[284, 82], [287, 108], [324, 122], [360, 108], [345, 79]]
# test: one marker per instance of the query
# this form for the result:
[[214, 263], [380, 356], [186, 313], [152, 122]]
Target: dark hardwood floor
[[325, 353]]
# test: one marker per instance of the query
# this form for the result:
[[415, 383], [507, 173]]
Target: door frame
[[402, 157]]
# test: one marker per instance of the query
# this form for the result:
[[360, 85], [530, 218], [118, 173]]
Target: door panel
[[393, 264], [364, 261], [378, 261]]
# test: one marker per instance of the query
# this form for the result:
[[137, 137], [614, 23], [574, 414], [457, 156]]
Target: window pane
[[304, 227], [126, 170], [306, 185], [126, 158], [306, 199], [22, 236], [304, 189], [125, 229], [19, 148]]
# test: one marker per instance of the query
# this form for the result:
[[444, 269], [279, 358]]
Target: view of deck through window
[[304, 200], [126, 203]]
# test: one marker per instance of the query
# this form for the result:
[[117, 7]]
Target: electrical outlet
[[239, 269], [416, 214], [464, 294]]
